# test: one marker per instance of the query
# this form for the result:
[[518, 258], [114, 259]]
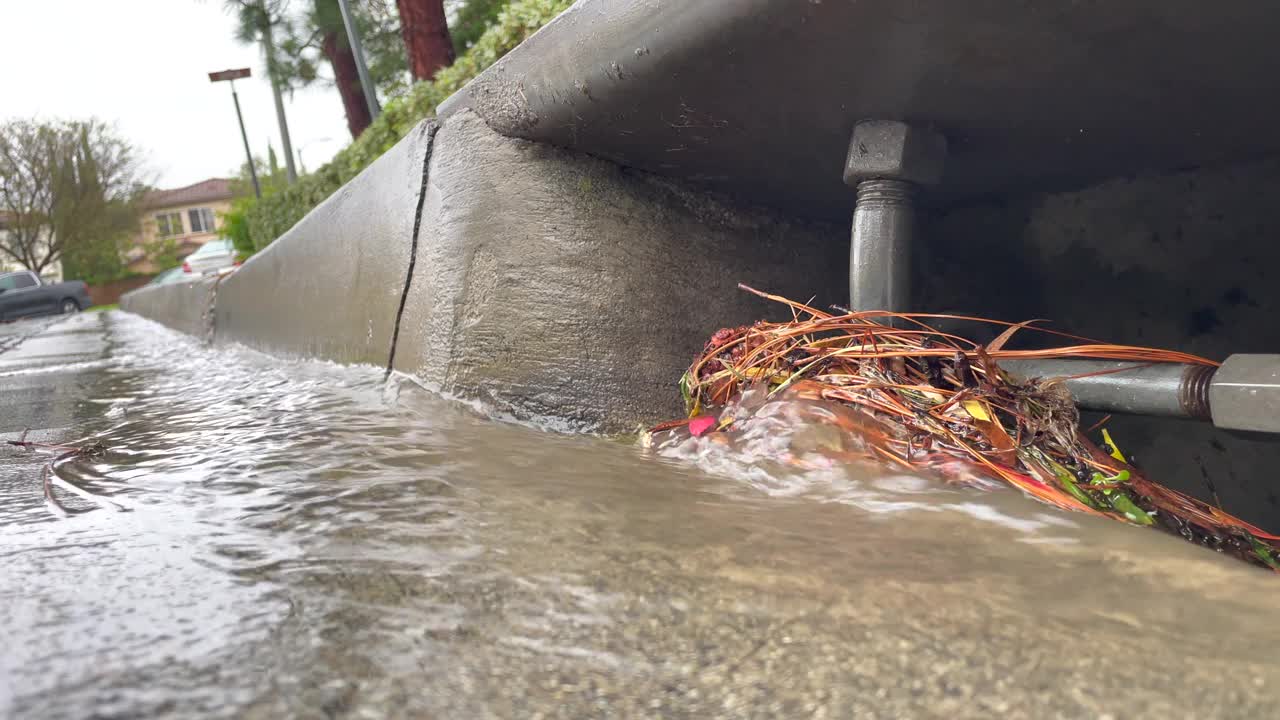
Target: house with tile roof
[[188, 216]]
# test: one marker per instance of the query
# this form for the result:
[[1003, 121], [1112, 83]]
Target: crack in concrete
[[413, 246], [209, 318]]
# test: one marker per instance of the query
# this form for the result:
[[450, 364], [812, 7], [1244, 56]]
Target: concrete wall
[[181, 306], [552, 284], [1184, 260]]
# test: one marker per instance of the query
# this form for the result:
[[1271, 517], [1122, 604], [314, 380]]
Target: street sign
[[229, 74]]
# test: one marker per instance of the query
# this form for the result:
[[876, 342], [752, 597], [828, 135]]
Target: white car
[[213, 256], [170, 276]]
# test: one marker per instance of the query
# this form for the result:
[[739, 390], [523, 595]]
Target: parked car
[[25, 294], [167, 277], [215, 255]]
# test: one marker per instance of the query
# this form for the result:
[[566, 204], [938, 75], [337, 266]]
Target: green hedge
[[268, 218]]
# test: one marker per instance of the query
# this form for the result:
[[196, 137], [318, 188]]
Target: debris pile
[[930, 401]]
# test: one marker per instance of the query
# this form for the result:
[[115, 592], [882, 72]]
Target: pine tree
[[91, 220], [426, 36]]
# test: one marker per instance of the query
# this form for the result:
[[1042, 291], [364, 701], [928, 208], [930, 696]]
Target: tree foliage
[[303, 24], [258, 21], [235, 222], [303, 37], [469, 19], [69, 191], [235, 225], [261, 21]]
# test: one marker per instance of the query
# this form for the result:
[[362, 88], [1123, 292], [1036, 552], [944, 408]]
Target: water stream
[[272, 538]]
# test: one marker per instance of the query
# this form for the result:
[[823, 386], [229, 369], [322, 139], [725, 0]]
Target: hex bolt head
[[1245, 394], [895, 150]]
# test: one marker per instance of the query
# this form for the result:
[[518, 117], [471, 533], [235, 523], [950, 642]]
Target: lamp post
[[353, 38], [231, 76]]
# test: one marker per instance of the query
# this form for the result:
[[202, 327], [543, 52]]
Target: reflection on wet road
[[274, 539]]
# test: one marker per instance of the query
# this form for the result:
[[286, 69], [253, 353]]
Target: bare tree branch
[[63, 185]]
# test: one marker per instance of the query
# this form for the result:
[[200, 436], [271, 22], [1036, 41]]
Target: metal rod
[[353, 37], [880, 246], [1164, 389], [253, 172]]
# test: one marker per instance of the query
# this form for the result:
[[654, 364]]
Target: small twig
[[22, 442], [43, 446], [49, 472]]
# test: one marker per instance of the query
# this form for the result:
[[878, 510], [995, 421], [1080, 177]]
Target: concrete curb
[[181, 306], [553, 285], [545, 283], [331, 287]]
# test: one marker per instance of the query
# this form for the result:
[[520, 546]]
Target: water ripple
[[302, 540]]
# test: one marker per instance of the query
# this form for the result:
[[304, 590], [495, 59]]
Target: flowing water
[[270, 538]]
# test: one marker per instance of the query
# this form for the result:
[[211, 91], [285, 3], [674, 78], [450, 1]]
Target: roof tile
[[203, 191]]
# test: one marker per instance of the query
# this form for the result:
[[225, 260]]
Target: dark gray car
[[24, 294]]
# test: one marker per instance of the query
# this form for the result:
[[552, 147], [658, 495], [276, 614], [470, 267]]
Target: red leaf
[[701, 425]]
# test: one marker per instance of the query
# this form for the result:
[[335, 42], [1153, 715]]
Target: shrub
[[235, 225]]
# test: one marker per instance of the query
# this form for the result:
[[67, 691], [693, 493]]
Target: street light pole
[[230, 76], [253, 172], [353, 38]]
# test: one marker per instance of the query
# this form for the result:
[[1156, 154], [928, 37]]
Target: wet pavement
[[269, 538]]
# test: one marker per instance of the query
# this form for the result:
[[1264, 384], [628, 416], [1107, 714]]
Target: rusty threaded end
[[1193, 391]]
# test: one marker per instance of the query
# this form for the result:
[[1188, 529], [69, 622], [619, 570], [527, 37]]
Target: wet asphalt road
[[474, 569], [28, 396]]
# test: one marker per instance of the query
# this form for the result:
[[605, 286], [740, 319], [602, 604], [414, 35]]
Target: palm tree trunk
[[269, 50]]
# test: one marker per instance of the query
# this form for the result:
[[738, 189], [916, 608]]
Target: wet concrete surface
[[268, 539], [12, 333]]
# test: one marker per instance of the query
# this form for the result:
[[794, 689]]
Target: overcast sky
[[143, 65]]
